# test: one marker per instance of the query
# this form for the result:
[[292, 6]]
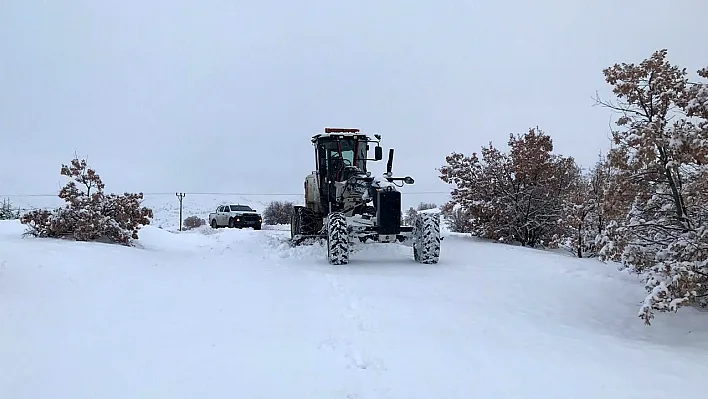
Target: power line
[[216, 193], [285, 194], [29, 195]]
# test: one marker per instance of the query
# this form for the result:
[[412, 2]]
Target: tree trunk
[[580, 240], [677, 198]]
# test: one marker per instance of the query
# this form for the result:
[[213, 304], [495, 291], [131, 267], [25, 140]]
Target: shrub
[[193, 222], [278, 212], [89, 213]]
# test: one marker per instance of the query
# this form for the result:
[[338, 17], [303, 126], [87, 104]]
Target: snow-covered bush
[[278, 212], [89, 213], [193, 222]]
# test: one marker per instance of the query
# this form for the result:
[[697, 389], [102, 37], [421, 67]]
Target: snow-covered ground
[[241, 314]]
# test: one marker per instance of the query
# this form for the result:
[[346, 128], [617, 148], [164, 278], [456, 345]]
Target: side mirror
[[378, 153], [408, 180]]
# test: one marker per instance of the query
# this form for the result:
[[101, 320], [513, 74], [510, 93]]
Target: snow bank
[[280, 227]]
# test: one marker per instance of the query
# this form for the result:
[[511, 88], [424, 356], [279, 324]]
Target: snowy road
[[239, 313]]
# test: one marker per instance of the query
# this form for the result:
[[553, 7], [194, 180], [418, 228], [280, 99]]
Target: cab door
[[224, 215]]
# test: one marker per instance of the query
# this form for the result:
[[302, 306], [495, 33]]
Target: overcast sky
[[224, 95]]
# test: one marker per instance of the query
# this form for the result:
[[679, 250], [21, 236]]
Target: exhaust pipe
[[389, 165]]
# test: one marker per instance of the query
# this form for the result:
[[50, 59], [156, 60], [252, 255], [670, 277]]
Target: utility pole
[[180, 197]]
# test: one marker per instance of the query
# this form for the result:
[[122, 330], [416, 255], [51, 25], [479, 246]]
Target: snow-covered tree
[[410, 214], [579, 217], [425, 206], [661, 154], [514, 197], [596, 202], [459, 219], [6, 210], [89, 214]]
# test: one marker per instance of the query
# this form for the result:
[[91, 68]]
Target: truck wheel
[[337, 239], [231, 223], [213, 224], [426, 238]]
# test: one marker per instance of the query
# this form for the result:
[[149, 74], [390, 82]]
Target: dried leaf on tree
[[90, 214], [660, 155], [515, 196]]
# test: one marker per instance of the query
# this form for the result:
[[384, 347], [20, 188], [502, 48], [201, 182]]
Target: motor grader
[[345, 203]]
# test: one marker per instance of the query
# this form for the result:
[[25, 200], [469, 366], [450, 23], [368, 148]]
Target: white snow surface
[[240, 314]]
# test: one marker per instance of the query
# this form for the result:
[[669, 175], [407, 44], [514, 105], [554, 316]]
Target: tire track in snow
[[350, 341]]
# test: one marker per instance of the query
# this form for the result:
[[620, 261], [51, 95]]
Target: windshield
[[344, 153], [241, 208]]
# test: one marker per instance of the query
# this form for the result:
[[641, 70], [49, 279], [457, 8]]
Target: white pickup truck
[[238, 216]]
